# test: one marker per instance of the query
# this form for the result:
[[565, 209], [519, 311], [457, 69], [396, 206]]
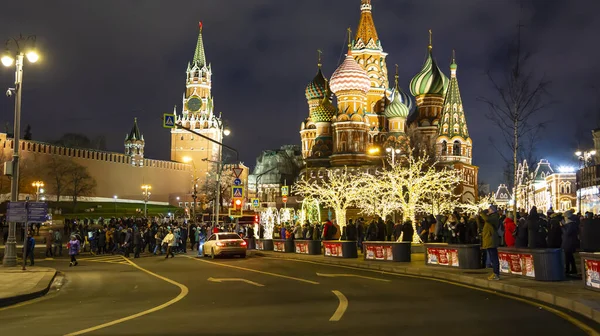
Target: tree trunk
[[515, 152], [340, 217]]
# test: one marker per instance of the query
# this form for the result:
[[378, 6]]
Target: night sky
[[105, 62]]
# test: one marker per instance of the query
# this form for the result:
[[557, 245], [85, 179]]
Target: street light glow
[[226, 132], [187, 159], [578, 153], [32, 56], [566, 169], [373, 150], [7, 60], [115, 197]]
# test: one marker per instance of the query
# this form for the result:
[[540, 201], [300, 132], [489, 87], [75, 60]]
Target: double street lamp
[[23, 47], [585, 159], [146, 192], [394, 152], [37, 185]]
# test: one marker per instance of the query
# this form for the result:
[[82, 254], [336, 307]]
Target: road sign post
[[169, 120]]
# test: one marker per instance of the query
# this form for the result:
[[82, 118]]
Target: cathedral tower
[[197, 114], [350, 83], [396, 113], [453, 142], [314, 92], [134, 145], [429, 87], [369, 54]]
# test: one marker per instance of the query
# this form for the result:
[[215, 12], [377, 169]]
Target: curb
[[38, 291], [574, 306]]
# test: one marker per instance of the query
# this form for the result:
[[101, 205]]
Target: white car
[[225, 243]]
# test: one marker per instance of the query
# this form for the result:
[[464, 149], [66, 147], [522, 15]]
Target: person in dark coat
[[407, 231], [537, 230], [371, 231], [137, 243], [555, 232], [397, 230], [381, 230], [101, 241], [570, 230], [471, 233], [522, 232], [424, 230], [389, 229], [351, 231]]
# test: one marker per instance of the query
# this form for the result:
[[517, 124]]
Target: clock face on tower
[[194, 104]]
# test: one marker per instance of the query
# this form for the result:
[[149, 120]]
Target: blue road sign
[[27, 212], [237, 182], [255, 203], [237, 192], [168, 120]]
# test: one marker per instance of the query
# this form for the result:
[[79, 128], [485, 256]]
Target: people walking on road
[[570, 229], [201, 238], [29, 249], [491, 240], [169, 240], [74, 246], [49, 240]]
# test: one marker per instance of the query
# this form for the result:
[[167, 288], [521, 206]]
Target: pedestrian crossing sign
[[168, 120], [237, 192], [285, 191], [255, 202]]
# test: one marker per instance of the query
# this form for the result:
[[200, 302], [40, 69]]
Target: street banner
[[279, 246], [301, 247], [517, 263], [592, 273], [333, 249], [379, 252], [442, 256]]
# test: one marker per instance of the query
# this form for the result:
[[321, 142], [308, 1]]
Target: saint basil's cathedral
[[371, 114]]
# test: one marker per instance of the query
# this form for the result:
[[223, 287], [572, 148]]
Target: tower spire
[[430, 46], [396, 77], [319, 54], [366, 34], [349, 41], [199, 56]]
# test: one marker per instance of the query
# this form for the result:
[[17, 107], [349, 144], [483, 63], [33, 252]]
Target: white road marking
[[341, 309], [351, 275], [235, 279]]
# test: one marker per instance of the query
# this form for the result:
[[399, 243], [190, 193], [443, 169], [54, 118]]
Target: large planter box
[[264, 244], [312, 247], [464, 256], [283, 245], [340, 248], [590, 264], [538, 264], [387, 251]]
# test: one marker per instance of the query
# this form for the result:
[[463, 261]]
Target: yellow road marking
[[573, 320], [351, 276], [341, 309], [255, 271], [235, 279], [184, 292]]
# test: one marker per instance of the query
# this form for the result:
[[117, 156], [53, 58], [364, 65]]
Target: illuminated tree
[[376, 197], [413, 184], [311, 211], [338, 190], [268, 218]]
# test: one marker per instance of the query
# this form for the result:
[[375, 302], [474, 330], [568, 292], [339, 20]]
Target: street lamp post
[[585, 159], [146, 192], [115, 198], [394, 152], [27, 45], [224, 132], [37, 185]]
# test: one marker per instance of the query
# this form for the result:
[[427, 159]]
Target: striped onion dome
[[325, 111], [397, 108], [350, 76], [317, 87], [430, 80]]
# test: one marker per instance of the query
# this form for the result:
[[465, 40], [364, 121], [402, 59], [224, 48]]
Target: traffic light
[[237, 203], [256, 219]]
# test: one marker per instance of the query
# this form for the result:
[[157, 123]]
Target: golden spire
[[366, 27], [319, 53], [396, 76], [349, 41], [430, 40]]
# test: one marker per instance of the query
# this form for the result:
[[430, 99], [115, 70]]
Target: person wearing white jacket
[[170, 241]]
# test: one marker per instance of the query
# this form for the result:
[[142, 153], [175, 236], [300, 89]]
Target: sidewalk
[[568, 294], [18, 286]]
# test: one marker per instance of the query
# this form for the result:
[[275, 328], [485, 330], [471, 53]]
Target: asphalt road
[[262, 296]]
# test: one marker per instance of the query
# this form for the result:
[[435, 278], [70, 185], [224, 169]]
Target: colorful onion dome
[[317, 87], [325, 111], [350, 76], [430, 80], [405, 98], [396, 109]]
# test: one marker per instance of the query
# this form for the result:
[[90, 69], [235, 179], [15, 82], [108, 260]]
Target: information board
[[333, 249], [442, 256], [592, 273], [517, 263], [379, 252]]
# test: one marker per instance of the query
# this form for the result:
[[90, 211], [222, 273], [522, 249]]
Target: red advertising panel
[[592, 273], [379, 252], [333, 249], [301, 247], [442, 256], [279, 246], [517, 263]]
